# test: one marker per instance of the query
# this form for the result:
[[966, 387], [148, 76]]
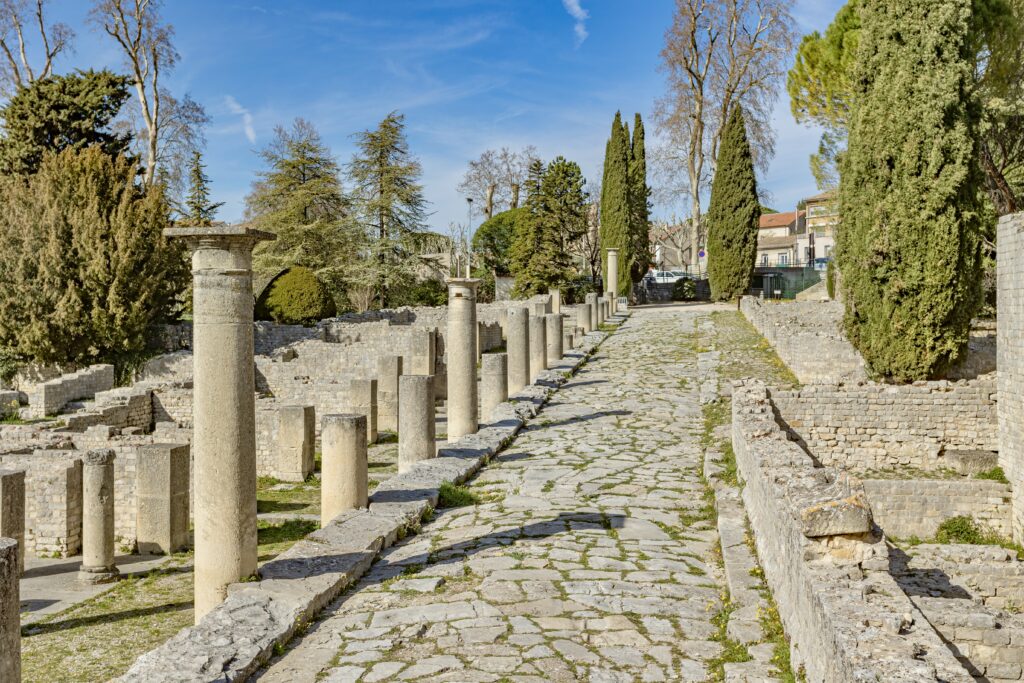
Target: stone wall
[[50, 396], [915, 507], [927, 425], [808, 338], [1010, 342], [53, 501]]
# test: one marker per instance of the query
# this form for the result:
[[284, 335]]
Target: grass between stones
[[455, 496], [964, 529]]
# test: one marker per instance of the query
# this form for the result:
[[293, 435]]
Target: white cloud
[[580, 15], [236, 108]]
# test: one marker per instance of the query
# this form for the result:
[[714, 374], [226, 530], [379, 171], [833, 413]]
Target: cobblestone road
[[592, 560]]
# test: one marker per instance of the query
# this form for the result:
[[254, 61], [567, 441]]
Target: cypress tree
[[733, 214], [199, 209], [615, 214], [909, 247], [639, 194]]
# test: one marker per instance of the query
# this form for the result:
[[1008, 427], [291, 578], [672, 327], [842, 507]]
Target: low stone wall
[[50, 396], [1010, 352], [847, 618], [915, 507], [53, 500], [879, 426], [808, 338], [121, 408]]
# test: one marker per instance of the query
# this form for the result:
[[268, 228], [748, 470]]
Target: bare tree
[[588, 246], [493, 180], [17, 18], [718, 54]]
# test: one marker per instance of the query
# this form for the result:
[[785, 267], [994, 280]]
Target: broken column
[[296, 438], [553, 338], [613, 277], [362, 400], [224, 410], [461, 347], [161, 493], [389, 369], [10, 611], [591, 300], [493, 383], [98, 517], [556, 299], [416, 434], [518, 349], [583, 313], [568, 341], [343, 467], [538, 346], [12, 511]]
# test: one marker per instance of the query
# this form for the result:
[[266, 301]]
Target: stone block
[[12, 510], [162, 493], [296, 434], [10, 612]]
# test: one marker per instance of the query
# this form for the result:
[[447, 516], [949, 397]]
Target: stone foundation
[[916, 507]]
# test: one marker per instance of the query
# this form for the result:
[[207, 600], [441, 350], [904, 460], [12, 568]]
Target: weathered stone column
[[583, 313], [343, 467], [594, 319], [416, 433], [556, 299], [600, 310], [10, 612], [568, 341], [461, 348], [426, 349], [224, 408], [613, 276], [578, 334], [518, 349], [389, 369], [12, 512], [553, 338], [98, 517], [538, 346], [540, 308], [493, 383], [161, 493], [296, 441], [362, 399]]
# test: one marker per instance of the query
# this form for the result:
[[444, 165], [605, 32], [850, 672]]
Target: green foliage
[[455, 496], [961, 529], [830, 279], [492, 241], [733, 214], [994, 474], [485, 290], [428, 292], [61, 112], [296, 297], [639, 251], [684, 289], [85, 269], [199, 210], [909, 249], [298, 196], [615, 205]]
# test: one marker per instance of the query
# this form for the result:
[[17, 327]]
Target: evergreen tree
[[615, 205], [60, 112], [639, 195], [733, 214], [492, 241], [299, 198], [85, 270], [908, 247], [199, 209], [565, 202]]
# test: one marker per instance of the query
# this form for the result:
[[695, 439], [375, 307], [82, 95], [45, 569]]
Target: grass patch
[[732, 651], [964, 529], [455, 496], [994, 474], [275, 538], [298, 498]]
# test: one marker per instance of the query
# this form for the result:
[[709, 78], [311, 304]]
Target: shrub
[[684, 289], [994, 474], [830, 279], [428, 292], [296, 297], [960, 529]]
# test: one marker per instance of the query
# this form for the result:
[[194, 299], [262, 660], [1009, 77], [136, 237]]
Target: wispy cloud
[[580, 15], [247, 126]]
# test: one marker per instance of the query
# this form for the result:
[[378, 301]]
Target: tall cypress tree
[[199, 210], [909, 247], [639, 194], [615, 214], [733, 214]]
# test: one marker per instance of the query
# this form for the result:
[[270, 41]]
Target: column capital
[[219, 235], [611, 250]]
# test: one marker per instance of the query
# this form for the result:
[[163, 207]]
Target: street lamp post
[[469, 231]]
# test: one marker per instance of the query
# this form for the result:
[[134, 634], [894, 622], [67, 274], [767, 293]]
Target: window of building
[[764, 260], [783, 259]]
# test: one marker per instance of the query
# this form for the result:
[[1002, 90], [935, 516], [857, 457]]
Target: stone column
[[599, 304], [425, 349], [613, 276], [553, 338], [461, 347], [12, 512], [518, 349], [416, 432], [343, 468], [362, 399], [389, 369], [583, 313], [568, 341], [556, 299], [10, 612], [224, 409], [296, 439], [594, 320], [578, 335], [161, 493], [98, 517], [538, 346], [493, 383]]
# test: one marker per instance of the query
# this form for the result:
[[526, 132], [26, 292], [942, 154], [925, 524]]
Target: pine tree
[[615, 203], [389, 202], [639, 195], [199, 209], [909, 247], [733, 214]]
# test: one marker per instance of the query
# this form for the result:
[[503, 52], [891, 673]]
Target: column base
[[94, 575]]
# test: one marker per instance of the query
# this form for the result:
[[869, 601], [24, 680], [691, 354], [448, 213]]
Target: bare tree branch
[[15, 22]]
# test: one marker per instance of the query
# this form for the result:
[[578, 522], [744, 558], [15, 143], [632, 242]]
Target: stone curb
[[234, 640]]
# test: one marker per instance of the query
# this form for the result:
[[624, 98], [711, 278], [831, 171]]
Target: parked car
[[821, 263], [667, 276]]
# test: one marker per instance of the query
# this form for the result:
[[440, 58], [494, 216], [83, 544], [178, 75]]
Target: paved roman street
[[590, 556]]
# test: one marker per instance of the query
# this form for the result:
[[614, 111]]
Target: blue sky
[[468, 74]]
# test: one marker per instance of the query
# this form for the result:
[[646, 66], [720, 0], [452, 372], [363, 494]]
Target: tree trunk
[[489, 204], [515, 195]]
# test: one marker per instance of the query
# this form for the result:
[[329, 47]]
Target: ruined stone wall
[[121, 408], [905, 508], [173, 403], [50, 396], [808, 338], [53, 501], [1010, 342], [880, 426]]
